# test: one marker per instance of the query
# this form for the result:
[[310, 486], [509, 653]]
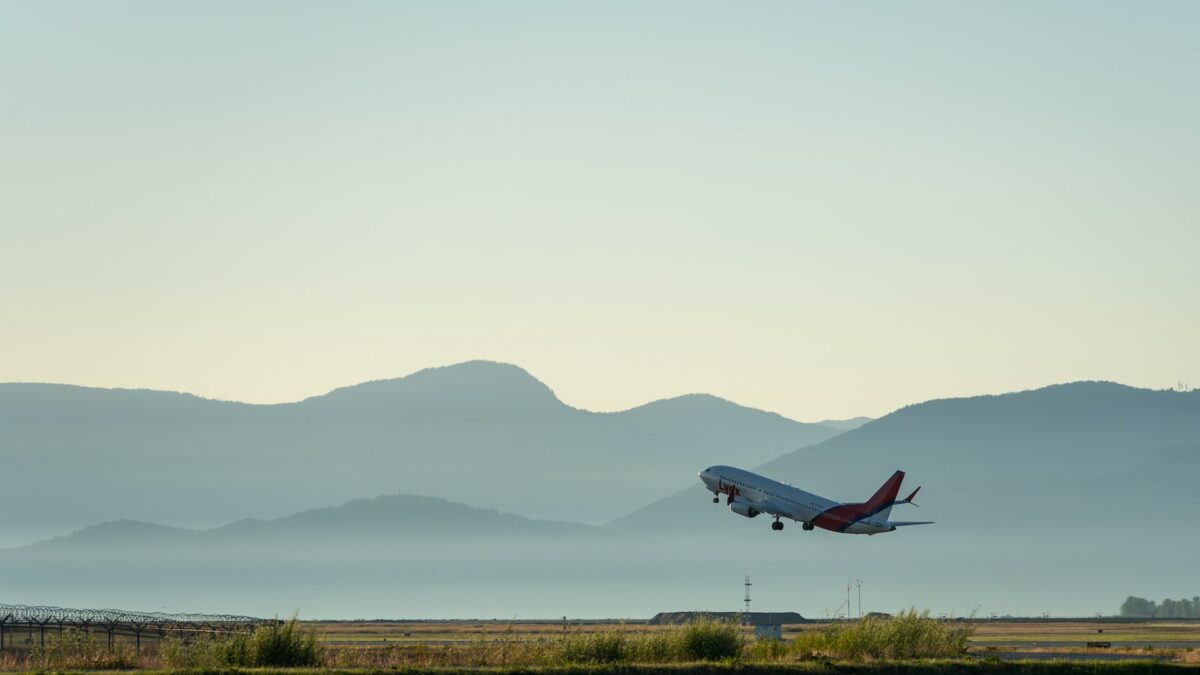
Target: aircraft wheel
[[716, 500], [777, 525], [809, 526]]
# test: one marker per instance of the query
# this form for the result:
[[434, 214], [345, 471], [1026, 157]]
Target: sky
[[819, 209]]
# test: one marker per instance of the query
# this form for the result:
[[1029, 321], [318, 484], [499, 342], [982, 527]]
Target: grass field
[[824, 668], [1083, 631], [984, 647], [1027, 634]]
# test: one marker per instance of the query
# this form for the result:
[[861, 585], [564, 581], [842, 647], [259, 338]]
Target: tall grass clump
[[655, 647], [278, 643], [702, 639], [908, 635], [709, 639], [207, 652], [285, 644], [78, 650], [610, 646], [768, 650]]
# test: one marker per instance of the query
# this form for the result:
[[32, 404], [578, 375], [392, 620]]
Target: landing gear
[[809, 526], [716, 499], [777, 525]]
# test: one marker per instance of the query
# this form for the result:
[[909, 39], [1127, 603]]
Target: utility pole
[[858, 583], [849, 585]]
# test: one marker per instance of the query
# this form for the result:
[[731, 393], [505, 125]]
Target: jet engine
[[742, 508]]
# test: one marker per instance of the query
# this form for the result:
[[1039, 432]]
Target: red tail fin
[[886, 494]]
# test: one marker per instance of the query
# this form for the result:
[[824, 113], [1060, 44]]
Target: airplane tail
[[881, 502]]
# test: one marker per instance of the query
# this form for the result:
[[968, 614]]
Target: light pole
[[859, 583]]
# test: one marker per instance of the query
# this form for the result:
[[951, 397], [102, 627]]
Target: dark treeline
[[1167, 609]]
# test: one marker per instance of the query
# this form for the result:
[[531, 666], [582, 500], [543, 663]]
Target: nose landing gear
[[777, 525], [809, 526], [716, 499]]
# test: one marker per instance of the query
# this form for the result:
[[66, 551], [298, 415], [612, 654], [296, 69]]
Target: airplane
[[749, 494]]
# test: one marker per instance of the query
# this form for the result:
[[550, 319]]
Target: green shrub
[[908, 635], [283, 644], [702, 639], [768, 650], [208, 652], [611, 646], [79, 650], [656, 647], [278, 643], [708, 639]]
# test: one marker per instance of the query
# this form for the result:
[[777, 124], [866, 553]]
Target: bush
[[908, 635], [656, 647], [208, 652], [702, 639], [79, 650], [707, 639], [611, 646], [769, 650], [283, 644], [279, 643]]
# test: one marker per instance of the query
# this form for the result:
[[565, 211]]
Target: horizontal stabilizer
[[902, 523]]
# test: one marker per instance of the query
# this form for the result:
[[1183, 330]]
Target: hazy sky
[[824, 209]]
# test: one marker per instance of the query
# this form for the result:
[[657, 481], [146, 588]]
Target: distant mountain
[[1053, 500], [397, 519], [377, 555], [479, 432], [983, 457], [845, 425], [1065, 500]]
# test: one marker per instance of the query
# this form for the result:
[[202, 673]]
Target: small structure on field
[[752, 618], [768, 631]]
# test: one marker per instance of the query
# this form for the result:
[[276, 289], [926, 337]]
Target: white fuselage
[[749, 492]]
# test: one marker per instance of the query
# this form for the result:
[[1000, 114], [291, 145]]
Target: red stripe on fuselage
[[839, 518]]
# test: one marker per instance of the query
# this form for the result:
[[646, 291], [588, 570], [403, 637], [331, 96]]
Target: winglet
[[909, 499]]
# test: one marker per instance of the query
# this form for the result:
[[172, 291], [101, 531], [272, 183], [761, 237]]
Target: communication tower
[[746, 599]]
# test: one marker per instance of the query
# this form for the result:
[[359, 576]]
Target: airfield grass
[[911, 643], [986, 631], [925, 667]]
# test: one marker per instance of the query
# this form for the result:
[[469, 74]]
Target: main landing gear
[[777, 525]]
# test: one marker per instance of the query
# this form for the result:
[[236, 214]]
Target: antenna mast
[[747, 598], [858, 583]]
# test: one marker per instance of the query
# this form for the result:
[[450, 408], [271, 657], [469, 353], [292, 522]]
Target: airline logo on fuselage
[[729, 489]]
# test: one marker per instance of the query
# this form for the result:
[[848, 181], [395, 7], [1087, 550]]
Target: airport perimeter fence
[[23, 626]]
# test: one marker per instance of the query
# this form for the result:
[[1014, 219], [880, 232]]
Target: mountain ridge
[[1082, 487], [515, 375], [933, 435], [465, 432], [384, 510]]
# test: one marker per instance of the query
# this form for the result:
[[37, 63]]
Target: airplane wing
[[772, 507], [902, 523]]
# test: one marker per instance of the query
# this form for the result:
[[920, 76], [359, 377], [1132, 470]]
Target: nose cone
[[706, 476]]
